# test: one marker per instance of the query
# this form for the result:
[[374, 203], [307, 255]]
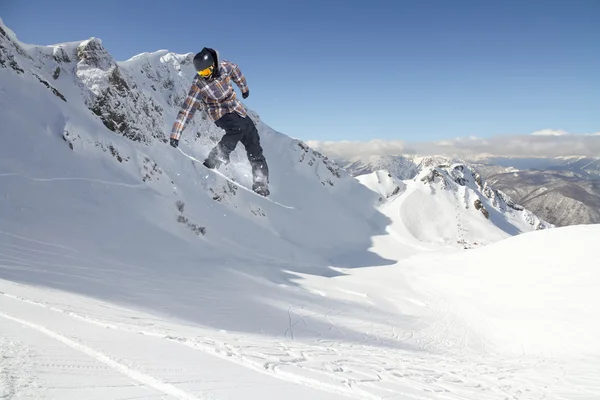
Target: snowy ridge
[[457, 175], [450, 204], [384, 183], [560, 190], [139, 99]]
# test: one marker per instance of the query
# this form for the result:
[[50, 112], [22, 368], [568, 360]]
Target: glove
[[246, 94], [174, 142]]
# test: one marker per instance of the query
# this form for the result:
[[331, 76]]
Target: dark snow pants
[[240, 129]]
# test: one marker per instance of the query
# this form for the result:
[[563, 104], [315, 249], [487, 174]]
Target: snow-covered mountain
[[441, 199], [138, 100], [563, 191], [557, 197], [577, 166], [446, 203], [401, 166], [129, 271]]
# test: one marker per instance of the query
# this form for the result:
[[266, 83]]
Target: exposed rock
[[60, 56], [479, 206]]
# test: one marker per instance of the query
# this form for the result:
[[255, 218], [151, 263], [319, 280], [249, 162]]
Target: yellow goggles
[[206, 72]]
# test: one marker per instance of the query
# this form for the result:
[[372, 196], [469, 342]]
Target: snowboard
[[234, 182]]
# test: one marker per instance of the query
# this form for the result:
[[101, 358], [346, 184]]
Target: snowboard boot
[[261, 188], [211, 163], [215, 159], [214, 162]]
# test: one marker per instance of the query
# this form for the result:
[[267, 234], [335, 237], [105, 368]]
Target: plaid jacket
[[215, 95]]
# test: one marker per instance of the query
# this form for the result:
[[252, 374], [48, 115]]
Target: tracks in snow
[[103, 358], [156, 362], [67, 179], [365, 371]]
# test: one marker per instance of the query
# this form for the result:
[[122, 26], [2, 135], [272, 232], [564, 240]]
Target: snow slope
[[128, 271], [529, 294]]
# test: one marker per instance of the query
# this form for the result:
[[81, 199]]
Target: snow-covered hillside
[[449, 204], [562, 191], [65, 141], [129, 271], [138, 99], [532, 294], [516, 319]]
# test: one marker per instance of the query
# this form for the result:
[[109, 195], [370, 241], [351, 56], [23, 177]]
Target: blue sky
[[414, 70]]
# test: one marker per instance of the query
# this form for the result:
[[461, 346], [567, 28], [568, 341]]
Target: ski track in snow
[[360, 370], [121, 368], [38, 242], [129, 185], [365, 370]]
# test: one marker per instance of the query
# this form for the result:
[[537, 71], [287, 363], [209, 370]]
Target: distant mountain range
[[563, 191]]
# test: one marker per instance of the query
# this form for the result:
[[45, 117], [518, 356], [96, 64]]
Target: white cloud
[[544, 143], [348, 150], [550, 132]]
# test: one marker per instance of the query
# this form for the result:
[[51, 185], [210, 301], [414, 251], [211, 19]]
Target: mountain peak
[[451, 174], [7, 32], [449, 203], [470, 185], [92, 53]]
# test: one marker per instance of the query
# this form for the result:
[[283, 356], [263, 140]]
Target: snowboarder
[[212, 90]]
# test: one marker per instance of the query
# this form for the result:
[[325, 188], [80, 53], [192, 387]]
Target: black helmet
[[204, 59]]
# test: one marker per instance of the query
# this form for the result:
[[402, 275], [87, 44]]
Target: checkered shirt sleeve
[[192, 102]]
